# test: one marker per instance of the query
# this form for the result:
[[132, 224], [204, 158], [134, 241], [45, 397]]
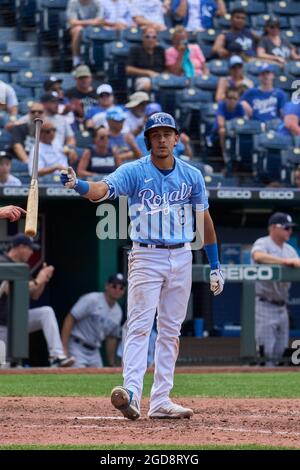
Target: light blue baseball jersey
[[161, 207]]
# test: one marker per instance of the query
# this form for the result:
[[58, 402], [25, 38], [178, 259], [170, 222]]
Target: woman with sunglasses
[[97, 159], [273, 47], [236, 79]]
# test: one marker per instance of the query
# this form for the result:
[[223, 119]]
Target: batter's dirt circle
[[92, 420]]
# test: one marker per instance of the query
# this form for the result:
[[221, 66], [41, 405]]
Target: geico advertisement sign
[[265, 194], [248, 273]]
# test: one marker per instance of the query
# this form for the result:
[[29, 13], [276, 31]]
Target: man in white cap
[[135, 117], [96, 115]]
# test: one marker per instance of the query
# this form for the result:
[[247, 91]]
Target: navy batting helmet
[[158, 120]]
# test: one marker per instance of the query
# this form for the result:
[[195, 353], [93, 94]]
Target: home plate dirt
[[46, 420]]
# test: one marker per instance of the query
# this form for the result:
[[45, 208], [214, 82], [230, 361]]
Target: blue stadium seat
[[68, 79], [207, 37], [206, 50], [292, 36], [22, 92], [41, 63], [284, 82], [250, 6], [258, 21], [165, 36], [30, 78], [295, 23], [218, 67], [7, 34], [9, 64], [254, 66], [4, 76], [293, 68], [115, 59], [50, 17], [280, 8], [168, 80], [22, 49], [83, 139], [94, 39], [205, 82], [132, 34], [5, 138], [25, 105]]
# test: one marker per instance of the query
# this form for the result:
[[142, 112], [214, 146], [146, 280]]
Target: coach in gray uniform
[[94, 318], [271, 316]]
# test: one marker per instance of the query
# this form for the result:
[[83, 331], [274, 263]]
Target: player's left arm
[[211, 249]]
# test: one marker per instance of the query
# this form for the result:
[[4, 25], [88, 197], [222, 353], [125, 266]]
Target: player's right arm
[[95, 191]]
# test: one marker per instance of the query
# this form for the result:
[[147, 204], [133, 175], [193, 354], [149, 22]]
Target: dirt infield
[[44, 420]]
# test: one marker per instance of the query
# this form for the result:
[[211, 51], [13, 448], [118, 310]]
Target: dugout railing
[[247, 275], [17, 275]]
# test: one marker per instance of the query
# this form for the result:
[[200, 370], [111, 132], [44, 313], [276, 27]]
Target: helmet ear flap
[[147, 142]]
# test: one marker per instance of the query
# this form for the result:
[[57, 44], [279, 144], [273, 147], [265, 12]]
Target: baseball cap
[[281, 218], [117, 278], [137, 98], [235, 60], [116, 113], [5, 154], [50, 81], [82, 71], [21, 239], [152, 108], [266, 68], [104, 88], [273, 20], [48, 97]]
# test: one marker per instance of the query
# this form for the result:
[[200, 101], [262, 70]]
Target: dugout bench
[[247, 275]]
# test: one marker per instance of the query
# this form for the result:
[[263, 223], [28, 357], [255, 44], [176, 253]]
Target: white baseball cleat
[[122, 399], [171, 410]]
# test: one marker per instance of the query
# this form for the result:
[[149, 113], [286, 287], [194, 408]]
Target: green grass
[[142, 447], [231, 385]]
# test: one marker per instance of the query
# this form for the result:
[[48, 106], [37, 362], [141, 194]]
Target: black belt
[[85, 345], [166, 247], [279, 303]]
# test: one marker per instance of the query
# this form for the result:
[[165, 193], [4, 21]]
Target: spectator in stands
[[6, 179], [83, 90], [96, 115], [54, 83], [183, 148], [146, 61], [98, 158], [134, 121], [197, 15], [236, 79], [264, 103], [64, 136], [239, 40], [51, 157], [122, 146], [273, 47], [40, 318], [8, 99], [148, 14], [291, 121], [184, 58], [117, 14], [94, 318], [228, 109], [23, 134], [80, 14]]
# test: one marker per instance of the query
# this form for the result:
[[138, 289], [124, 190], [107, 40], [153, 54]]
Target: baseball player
[[271, 316], [94, 318], [164, 193]]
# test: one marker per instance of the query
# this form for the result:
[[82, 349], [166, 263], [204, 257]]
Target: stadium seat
[[293, 68], [286, 7], [94, 39], [68, 79], [292, 36], [218, 67], [132, 34], [250, 6], [7, 34], [4, 76], [41, 63], [258, 21], [205, 82], [5, 138], [295, 23], [165, 36], [115, 59], [284, 82], [50, 17], [22, 92], [168, 80], [24, 106], [207, 37], [9, 64], [253, 67], [30, 78], [22, 49]]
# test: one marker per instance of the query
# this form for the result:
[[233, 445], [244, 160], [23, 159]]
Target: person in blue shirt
[[291, 121], [197, 14], [264, 103], [165, 197], [228, 109]]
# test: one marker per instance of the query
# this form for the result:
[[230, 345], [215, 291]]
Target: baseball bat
[[33, 194]]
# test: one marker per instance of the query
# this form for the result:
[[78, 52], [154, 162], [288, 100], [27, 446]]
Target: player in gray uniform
[[94, 318], [271, 316]]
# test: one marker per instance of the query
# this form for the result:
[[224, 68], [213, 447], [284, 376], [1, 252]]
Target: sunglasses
[[47, 131], [150, 37], [102, 137], [118, 286], [104, 95], [284, 227], [36, 111]]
